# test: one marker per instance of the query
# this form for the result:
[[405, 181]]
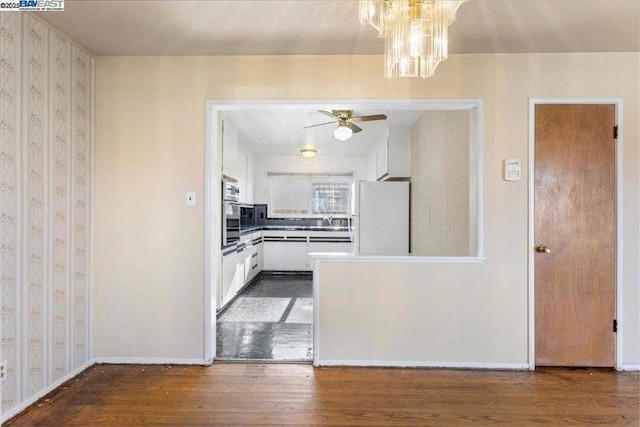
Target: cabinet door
[[274, 258], [227, 290], [260, 247], [382, 158], [254, 263], [229, 149], [341, 247], [240, 261], [246, 268], [320, 247], [249, 186], [295, 253], [399, 153], [317, 247], [241, 171]]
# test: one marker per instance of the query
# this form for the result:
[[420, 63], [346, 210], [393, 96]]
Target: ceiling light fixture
[[415, 33], [308, 152], [342, 132]]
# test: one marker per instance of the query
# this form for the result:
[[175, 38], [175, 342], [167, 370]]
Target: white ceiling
[[304, 27], [315, 27], [281, 130]]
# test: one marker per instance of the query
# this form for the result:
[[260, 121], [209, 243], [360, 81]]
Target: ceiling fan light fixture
[[308, 152], [342, 133]]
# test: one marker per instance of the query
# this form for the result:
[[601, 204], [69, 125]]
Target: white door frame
[[619, 218]]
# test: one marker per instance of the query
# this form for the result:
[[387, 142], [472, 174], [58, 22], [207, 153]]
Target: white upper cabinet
[[245, 174], [241, 173], [382, 158], [237, 161], [229, 149], [393, 155], [250, 175]]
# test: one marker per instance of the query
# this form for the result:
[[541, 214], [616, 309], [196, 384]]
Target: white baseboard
[[423, 364], [629, 368], [150, 361], [30, 401]]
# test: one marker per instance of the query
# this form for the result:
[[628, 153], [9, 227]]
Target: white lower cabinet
[[289, 250], [341, 247], [328, 241], [260, 257], [295, 255], [244, 268], [229, 274], [317, 247], [276, 251], [285, 255], [249, 258], [273, 255], [320, 247], [238, 268], [285, 251], [254, 262]]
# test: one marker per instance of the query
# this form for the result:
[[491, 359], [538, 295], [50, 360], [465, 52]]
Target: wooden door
[[575, 217]]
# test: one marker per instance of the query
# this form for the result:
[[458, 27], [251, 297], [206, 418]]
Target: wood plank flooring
[[272, 394]]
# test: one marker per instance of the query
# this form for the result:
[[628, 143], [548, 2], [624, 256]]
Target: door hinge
[[615, 325], [615, 132]]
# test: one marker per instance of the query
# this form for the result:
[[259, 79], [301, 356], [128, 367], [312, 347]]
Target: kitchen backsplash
[[257, 216]]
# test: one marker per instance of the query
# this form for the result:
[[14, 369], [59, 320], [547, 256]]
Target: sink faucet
[[329, 219]]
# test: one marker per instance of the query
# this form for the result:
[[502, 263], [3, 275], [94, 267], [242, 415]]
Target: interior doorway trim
[[213, 166], [619, 220]]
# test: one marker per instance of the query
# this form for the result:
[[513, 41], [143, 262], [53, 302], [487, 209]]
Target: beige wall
[[149, 151]]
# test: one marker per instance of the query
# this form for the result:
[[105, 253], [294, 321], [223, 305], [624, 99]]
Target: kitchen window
[[309, 195]]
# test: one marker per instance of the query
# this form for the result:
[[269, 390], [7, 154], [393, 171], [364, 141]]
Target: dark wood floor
[[271, 394]]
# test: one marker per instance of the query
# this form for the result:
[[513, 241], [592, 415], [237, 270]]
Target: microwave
[[230, 189]]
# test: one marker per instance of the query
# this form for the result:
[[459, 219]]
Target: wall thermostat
[[512, 170]]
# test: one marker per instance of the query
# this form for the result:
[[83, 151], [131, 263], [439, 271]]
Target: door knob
[[543, 249]]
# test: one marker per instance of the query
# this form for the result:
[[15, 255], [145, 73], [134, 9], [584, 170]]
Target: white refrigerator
[[380, 215]]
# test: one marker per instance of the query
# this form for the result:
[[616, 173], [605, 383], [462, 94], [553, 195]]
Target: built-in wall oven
[[230, 211]]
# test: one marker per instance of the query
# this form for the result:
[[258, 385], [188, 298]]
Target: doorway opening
[[270, 320], [293, 192], [575, 236]]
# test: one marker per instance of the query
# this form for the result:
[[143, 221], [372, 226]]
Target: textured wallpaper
[[45, 110], [440, 184]]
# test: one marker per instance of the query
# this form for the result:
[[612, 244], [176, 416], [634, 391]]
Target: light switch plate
[[191, 198]]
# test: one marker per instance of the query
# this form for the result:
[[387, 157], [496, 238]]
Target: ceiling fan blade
[[369, 118], [320, 124], [327, 113], [353, 127]]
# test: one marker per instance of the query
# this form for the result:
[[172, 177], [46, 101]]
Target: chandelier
[[415, 33]]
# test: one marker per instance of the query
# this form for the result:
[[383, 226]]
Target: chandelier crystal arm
[[415, 33]]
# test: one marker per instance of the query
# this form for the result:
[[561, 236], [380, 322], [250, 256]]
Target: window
[[295, 195], [330, 195]]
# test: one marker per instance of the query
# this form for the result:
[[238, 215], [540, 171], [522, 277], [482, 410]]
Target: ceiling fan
[[345, 119]]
